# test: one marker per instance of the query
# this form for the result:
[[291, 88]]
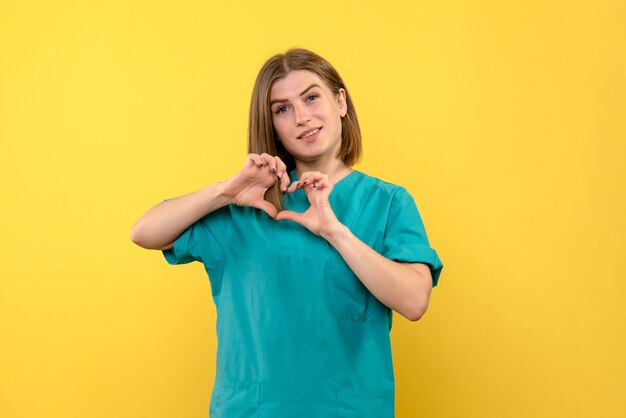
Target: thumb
[[266, 207], [290, 216]]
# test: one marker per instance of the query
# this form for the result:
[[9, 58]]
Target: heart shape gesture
[[260, 172], [319, 218]]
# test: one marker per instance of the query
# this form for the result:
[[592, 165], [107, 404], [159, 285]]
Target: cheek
[[279, 128], [334, 118], [332, 112], [337, 125]]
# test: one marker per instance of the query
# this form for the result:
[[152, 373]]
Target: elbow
[[415, 312], [417, 306], [143, 238], [415, 302], [136, 235]]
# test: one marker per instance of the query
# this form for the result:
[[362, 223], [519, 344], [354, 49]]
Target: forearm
[[399, 286], [159, 227]]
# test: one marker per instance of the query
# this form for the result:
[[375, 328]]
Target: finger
[[280, 164], [309, 176], [322, 184], [284, 182], [255, 159], [268, 161], [281, 168], [252, 159], [291, 216], [312, 178], [304, 178], [282, 174], [293, 186], [267, 207]]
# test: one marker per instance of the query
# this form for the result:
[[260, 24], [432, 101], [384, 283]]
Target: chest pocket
[[348, 297], [313, 263], [310, 282]]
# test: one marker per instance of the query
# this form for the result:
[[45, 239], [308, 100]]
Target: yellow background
[[507, 123]]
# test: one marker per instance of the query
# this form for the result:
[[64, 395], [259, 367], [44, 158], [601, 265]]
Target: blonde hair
[[261, 134]]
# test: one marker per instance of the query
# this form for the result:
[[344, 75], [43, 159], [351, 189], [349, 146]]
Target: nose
[[302, 115]]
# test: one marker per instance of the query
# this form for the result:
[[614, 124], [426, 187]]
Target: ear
[[342, 102]]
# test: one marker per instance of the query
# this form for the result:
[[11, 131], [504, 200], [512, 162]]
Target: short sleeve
[[203, 241], [405, 236]]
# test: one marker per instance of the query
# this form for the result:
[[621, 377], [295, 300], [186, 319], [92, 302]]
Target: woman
[[306, 257]]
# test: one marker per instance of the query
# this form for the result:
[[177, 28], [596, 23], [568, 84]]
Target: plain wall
[[505, 120]]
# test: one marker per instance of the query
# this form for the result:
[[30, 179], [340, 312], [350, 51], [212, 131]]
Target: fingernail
[[274, 169]]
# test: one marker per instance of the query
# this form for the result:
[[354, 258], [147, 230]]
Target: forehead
[[294, 84]]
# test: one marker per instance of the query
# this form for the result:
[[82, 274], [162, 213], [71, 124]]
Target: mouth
[[310, 134]]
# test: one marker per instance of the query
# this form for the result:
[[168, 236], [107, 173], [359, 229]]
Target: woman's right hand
[[259, 173]]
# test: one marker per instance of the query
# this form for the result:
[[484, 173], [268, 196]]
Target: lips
[[308, 132]]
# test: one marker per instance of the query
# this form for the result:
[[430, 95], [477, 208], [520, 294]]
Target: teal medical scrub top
[[298, 334]]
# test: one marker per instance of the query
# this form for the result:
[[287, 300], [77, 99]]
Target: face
[[307, 116]]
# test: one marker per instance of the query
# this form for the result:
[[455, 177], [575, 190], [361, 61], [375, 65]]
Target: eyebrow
[[303, 92]]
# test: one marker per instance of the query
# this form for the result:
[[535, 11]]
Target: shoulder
[[369, 196], [380, 188]]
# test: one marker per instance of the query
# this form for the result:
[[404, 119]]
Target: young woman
[[306, 257]]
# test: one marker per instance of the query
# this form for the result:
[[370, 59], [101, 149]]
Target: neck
[[334, 169]]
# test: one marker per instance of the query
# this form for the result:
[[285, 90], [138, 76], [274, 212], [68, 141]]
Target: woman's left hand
[[319, 218]]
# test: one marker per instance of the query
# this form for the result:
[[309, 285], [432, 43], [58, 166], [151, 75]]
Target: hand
[[319, 218], [259, 173]]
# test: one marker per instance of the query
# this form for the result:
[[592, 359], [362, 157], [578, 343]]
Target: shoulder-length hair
[[261, 134]]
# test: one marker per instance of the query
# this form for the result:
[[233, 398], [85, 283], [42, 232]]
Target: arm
[[403, 287], [159, 227]]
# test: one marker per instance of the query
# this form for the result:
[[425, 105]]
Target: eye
[[312, 97], [281, 109]]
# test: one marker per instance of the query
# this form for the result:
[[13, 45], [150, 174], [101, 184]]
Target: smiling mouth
[[310, 133]]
